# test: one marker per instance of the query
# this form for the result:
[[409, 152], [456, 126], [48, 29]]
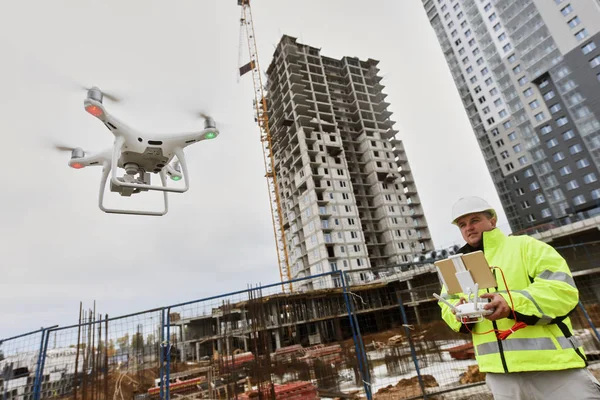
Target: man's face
[[473, 225]]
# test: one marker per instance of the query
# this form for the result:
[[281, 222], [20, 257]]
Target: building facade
[[528, 73], [348, 196]]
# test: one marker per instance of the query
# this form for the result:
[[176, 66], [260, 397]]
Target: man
[[542, 360]]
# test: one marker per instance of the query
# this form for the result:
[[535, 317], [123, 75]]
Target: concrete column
[[197, 351], [277, 339], [413, 298]]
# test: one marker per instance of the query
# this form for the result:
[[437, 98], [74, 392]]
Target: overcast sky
[[168, 59]]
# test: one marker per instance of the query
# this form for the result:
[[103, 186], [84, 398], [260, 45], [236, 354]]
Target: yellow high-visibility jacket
[[543, 292]]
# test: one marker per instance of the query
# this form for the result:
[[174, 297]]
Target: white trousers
[[571, 384]]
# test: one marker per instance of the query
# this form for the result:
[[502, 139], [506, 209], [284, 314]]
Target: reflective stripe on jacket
[[543, 292]]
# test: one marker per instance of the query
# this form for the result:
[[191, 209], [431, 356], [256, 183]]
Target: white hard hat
[[469, 205]]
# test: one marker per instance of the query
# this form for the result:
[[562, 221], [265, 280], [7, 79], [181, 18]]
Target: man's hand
[[500, 306], [463, 319]]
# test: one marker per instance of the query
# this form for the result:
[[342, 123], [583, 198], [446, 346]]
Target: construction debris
[[472, 375], [406, 388], [462, 352]]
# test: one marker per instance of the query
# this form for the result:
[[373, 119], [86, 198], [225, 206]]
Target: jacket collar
[[491, 239]]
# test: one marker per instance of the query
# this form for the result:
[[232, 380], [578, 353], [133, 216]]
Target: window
[[540, 116], [487, 7], [512, 136], [477, 89], [528, 173], [520, 192], [572, 184], [578, 200], [582, 34], [525, 204], [497, 102], [472, 42], [517, 69], [486, 110], [517, 148], [502, 113], [507, 125], [588, 48], [546, 129], [522, 160], [492, 17], [534, 104], [531, 218], [468, 33], [523, 80], [555, 108], [551, 143], [488, 81], [469, 69], [566, 170], [507, 47], [544, 83], [562, 121], [504, 155], [528, 92], [566, 10], [549, 95], [546, 213], [576, 148], [594, 62], [573, 22], [493, 92], [479, 61], [576, 99], [502, 37], [511, 59], [589, 178], [534, 186], [497, 27], [596, 194], [568, 135], [509, 166], [484, 71], [582, 163], [558, 156], [495, 132], [539, 199]]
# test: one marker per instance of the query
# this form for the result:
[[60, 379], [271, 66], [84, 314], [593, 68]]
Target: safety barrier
[[372, 334]]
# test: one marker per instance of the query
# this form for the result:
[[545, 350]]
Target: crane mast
[[262, 118]]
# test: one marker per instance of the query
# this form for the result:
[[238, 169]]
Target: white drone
[[139, 155]]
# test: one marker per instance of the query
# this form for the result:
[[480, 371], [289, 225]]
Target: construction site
[[353, 315]]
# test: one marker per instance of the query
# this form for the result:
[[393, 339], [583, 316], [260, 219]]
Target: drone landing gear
[[106, 171]]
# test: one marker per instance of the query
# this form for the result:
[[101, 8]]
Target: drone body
[[140, 155]]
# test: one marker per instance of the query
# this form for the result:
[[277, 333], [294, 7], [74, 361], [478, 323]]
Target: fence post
[[589, 320], [358, 344], [168, 346], [411, 344], [162, 354], [37, 386], [36, 381]]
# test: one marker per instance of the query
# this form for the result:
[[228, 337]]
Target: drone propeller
[[209, 121], [105, 95], [75, 151]]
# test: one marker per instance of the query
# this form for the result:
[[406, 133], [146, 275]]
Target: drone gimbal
[[140, 155]]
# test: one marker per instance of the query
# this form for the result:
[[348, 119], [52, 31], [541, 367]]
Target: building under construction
[[348, 198]]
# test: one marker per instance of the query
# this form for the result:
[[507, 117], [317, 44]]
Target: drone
[[139, 155]]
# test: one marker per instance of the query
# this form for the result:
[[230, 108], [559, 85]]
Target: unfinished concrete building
[[348, 196]]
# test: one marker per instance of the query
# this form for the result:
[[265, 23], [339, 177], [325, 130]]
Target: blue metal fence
[[370, 333]]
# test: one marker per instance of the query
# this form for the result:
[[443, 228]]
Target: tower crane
[[262, 118]]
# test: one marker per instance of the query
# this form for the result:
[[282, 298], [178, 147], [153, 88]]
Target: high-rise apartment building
[[348, 196], [528, 73]]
